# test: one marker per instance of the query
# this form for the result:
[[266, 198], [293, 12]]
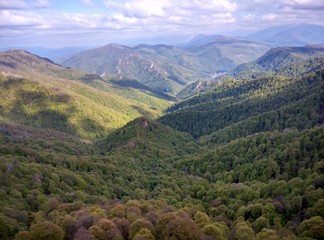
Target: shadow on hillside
[[91, 126], [31, 104], [126, 83]]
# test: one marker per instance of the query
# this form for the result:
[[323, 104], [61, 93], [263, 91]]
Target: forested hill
[[163, 68], [272, 103], [280, 61], [81, 158], [36, 92], [283, 61]]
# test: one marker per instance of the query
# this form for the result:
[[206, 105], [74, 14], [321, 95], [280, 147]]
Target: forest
[[243, 160]]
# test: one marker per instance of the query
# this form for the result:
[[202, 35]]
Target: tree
[[214, 231], [201, 219], [105, 229], [144, 234], [243, 231], [46, 230], [267, 234], [260, 223], [182, 229], [312, 228], [138, 225]]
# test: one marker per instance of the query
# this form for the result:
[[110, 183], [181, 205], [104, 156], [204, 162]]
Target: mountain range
[[107, 151], [279, 61], [290, 35], [166, 69]]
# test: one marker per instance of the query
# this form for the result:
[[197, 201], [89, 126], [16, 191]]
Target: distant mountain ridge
[[164, 68], [284, 61], [280, 61], [57, 55], [290, 35]]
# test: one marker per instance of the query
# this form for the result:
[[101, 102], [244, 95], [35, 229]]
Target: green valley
[[84, 156]]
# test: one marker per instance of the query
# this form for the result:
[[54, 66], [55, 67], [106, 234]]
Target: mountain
[[285, 61], [200, 40], [55, 54], [135, 136], [202, 86], [254, 169], [119, 62], [37, 92], [163, 68], [256, 105], [290, 35], [221, 53]]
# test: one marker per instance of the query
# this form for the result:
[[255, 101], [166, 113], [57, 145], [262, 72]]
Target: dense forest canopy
[[243, 160]]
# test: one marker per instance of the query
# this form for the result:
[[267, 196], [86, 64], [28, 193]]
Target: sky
[[66, 23]]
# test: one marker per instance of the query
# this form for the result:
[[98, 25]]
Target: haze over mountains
[[165, 68], [219, 138], [290, 35]]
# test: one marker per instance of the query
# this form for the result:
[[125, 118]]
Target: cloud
[[145, 17], [40, 4], [14, 18], [317, 5], [21, 4], [87, 3], [270, 17], [13, 4], [146, 8]]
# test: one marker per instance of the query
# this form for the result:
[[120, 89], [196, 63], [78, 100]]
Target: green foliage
[[46, 230], [165, 69], [144, 234], [312, 228], [282, 61], [105, 229], [238, 109], [135, 135], [260, 175]]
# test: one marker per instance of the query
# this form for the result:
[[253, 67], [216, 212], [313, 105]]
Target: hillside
[[283, 61], [134, 136], [222, 54], [146, 175], [119, 62], [265, 104], [80, 157], [290, 35], [38, 93], [166, 69]]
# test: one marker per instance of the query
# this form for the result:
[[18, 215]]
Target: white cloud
[[20, 18], [146, 8], [154, 16], [120, 18], [270, 17], [22, 4], [13, 4], [302, 4]]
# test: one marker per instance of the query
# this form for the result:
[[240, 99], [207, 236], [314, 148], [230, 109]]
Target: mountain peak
[[22, 58], [143, 135], [115, 46]]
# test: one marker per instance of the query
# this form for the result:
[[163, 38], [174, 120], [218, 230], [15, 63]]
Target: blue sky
[[61, 23]]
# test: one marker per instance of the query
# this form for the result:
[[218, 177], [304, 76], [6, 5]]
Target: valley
[[146, 142]]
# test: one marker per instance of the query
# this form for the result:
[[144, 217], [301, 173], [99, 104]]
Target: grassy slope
[[51, 96]]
